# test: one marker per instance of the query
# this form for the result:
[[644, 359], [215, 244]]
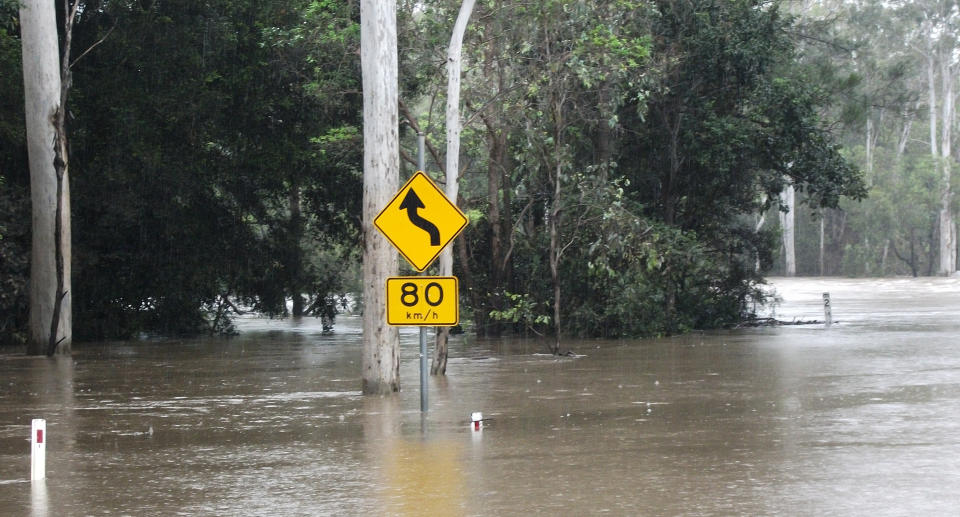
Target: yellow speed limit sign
[[423, 301]]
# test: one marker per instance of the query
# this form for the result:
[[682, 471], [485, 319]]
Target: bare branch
[[513, 232], [479, 112], [405, 111], [91, 47], [407, 158]]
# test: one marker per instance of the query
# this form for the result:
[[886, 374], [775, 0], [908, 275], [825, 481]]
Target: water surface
[[857, 419]]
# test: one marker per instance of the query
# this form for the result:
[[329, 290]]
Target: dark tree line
[[215, 156], [615, 154], [621, 152]]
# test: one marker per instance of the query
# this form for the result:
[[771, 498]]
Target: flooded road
[[862, 418]]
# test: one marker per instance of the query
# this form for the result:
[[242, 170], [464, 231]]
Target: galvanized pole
[[421, 165]]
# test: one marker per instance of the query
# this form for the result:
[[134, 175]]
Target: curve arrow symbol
[[411, 203]]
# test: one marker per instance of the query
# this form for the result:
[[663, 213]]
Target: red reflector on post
[[39, 435]]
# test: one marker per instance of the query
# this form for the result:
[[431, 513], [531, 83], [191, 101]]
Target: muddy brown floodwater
[[862, 418]]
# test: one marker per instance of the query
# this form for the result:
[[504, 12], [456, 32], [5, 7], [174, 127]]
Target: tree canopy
[[615, 156]]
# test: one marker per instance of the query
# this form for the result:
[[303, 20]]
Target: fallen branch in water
[[224, 300], [773, 322]]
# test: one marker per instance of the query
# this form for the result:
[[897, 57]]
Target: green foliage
[[900, 215], [226, 136], [617, 150], [870, 57], [639, 276], [14, 176], [652, 134], [11, 91], [14, 264], [524, 311]]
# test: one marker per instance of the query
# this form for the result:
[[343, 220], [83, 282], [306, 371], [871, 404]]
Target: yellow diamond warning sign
[[420, 221], [423, 300]]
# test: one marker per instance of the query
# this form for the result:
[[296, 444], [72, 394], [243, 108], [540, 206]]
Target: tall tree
[[452, 189], [223, 118], [381, 172], [938, 43], [50, 327], [730, 112], [788, 217]]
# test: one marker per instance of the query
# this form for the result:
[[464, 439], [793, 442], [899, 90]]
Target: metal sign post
[[424, 402], [420, 221]]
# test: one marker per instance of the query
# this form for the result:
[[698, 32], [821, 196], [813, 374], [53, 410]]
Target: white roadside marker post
[[38, 449]]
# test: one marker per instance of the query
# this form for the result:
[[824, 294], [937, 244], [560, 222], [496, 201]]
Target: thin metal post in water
[[421, 165], [827, 313], [423, 369]]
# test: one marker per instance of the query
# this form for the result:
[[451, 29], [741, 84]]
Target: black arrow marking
[[411, 203]]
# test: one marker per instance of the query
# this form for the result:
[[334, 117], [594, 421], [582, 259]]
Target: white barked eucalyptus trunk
[[42, 94], [948, 241], [381, 174], [454, 66], [787, 223]]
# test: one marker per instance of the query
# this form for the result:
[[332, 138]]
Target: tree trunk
[[554, 229], [454, 54], [948, 245], [904, 137], [913, 255], [822, 243], [787, 221], [479, 312], [762, 218], [604, 139], [673, 170], [381, 174], [555, 259], [496, 142], [50, 325], [296, 250], [496, 150], [953, 251], [932, 104]]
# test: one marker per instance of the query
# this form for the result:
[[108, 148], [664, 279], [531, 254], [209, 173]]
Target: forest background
[[624, 163]]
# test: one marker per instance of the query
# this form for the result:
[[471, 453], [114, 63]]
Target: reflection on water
[[418, 474], [856, 419], [39, 499], [424, 478]]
